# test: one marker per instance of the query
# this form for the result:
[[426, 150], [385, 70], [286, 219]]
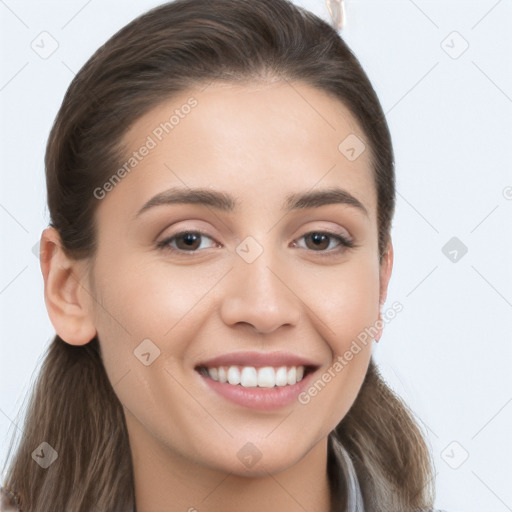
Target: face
[[261, 279]]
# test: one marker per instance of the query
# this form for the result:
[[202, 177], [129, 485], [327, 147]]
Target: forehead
[[252, 139]]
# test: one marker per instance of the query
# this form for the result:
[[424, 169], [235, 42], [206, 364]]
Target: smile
[[264, 388], [251, 377]]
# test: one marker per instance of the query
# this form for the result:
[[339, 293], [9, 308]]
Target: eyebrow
[[224, 202]]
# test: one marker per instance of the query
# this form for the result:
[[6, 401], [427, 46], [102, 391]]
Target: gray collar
[[343, 476]]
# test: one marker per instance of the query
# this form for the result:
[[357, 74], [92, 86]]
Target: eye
[[184, 241], [319, 241]]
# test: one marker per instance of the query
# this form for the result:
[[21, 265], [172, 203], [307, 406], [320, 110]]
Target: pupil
[[318, 239], [189, 239]]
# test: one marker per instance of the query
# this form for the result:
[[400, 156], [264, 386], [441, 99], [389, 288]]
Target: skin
[[258, 142]]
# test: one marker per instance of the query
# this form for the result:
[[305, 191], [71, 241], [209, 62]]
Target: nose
[[260, 295]]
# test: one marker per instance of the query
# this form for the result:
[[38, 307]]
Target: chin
[[258, 458]]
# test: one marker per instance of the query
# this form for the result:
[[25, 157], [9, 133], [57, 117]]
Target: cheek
[[346, 305], [150, 298], [139, 300], [346, 301]]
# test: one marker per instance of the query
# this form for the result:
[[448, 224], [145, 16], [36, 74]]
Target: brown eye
[[190, 241], [321, 241], [185, 241], [318, 241]]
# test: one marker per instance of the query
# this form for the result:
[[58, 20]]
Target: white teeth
[[281, 376], [266, 377], [234, 375], [223, 377], [250, 377], [292, 375]]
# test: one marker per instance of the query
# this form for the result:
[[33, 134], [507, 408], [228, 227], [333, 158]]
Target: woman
[[186, 376]]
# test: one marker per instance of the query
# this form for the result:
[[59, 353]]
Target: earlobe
[[386, 267], [67, 300]]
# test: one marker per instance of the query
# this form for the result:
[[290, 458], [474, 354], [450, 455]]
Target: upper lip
[[275, 359]]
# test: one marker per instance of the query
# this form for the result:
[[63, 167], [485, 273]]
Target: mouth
[[262, 381], [256, 376]]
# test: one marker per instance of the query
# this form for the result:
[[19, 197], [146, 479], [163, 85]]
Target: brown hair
[[165, 51]]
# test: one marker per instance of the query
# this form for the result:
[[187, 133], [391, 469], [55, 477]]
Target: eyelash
[[344, 243]]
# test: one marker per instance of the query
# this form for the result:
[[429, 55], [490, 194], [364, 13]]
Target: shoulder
[[8, 501]]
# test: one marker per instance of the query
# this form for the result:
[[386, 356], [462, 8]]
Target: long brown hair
[[180, 44]]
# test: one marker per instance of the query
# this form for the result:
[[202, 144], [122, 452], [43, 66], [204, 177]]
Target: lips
[[258, 380], [258, 359]]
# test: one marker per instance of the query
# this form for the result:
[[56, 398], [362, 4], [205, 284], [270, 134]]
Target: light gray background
[[448, 353]]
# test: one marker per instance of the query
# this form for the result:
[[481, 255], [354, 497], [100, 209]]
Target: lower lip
[[263, 399]]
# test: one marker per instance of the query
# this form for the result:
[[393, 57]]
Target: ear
[[67, 300], [386, 267]]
